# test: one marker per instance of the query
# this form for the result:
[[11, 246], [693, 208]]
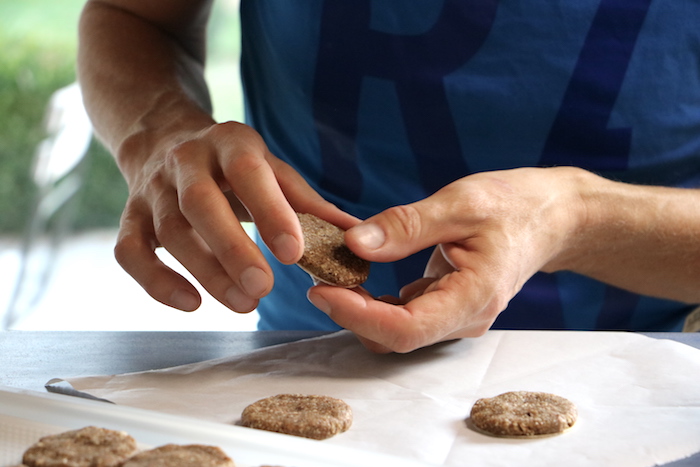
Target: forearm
[[139, 74], [641, 238]]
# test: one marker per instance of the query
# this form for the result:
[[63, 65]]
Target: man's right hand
[[190, 198]]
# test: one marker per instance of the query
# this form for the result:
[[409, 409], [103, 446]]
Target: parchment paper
[[638, 398]]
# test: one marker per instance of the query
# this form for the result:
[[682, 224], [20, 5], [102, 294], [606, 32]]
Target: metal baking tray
[[25, 416]]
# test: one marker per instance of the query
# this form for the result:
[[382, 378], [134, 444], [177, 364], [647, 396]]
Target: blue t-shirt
[[382, 102]]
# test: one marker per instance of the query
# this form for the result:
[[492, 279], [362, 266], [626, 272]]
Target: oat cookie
[[523, 414], [326, 256], [175, 455], [88, 447], [309, 416]]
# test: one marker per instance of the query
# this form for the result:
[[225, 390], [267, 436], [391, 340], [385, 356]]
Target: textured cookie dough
[[88, 447], [308, 416], [523, 414], [326, 257], [175, 455]]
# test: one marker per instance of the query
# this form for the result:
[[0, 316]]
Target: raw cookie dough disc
[[523, 414], [326, 256], [308, 416], [88, 447], [175, 455]]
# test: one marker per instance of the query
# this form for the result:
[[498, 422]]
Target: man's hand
[[190, 198], [492, 231], [191, 180]]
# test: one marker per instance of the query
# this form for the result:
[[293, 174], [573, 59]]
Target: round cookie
[[175, 455], [326, 257], [308, 416], [88, 447], [523, 414]]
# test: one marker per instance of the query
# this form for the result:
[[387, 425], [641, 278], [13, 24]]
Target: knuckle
[[226, 129], [126, 249], [406, 219], [231, 253], [182, 153], [235, 133], [406, 342], [123, 249], [246, 164], [193, 195], [401, 336], [226, 253], [152, 183], [168, 226], [481, 329], [130, 240]]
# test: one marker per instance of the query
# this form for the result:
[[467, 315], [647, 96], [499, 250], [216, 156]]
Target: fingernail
[[254, 282], [370, 236], [184, 300], [238, 301], [285, 247], [320, 303]]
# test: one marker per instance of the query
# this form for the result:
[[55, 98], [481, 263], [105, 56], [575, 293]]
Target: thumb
[[395, 233]]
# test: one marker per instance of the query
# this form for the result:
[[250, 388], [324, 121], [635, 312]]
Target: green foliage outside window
[[38, 45]]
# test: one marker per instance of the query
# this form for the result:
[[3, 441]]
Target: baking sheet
[[638, 398], [25, 416]]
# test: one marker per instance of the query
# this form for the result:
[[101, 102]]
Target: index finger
[[254, 183]]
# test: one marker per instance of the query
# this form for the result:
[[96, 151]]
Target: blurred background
[[61, 194]]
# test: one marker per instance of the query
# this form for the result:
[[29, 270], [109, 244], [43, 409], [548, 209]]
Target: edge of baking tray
[[244, 445]]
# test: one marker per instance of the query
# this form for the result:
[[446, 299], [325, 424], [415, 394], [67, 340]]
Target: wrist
[[154, 134], [586, 202]]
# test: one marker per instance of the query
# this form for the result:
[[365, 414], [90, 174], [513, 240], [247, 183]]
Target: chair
[[58, 171]]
